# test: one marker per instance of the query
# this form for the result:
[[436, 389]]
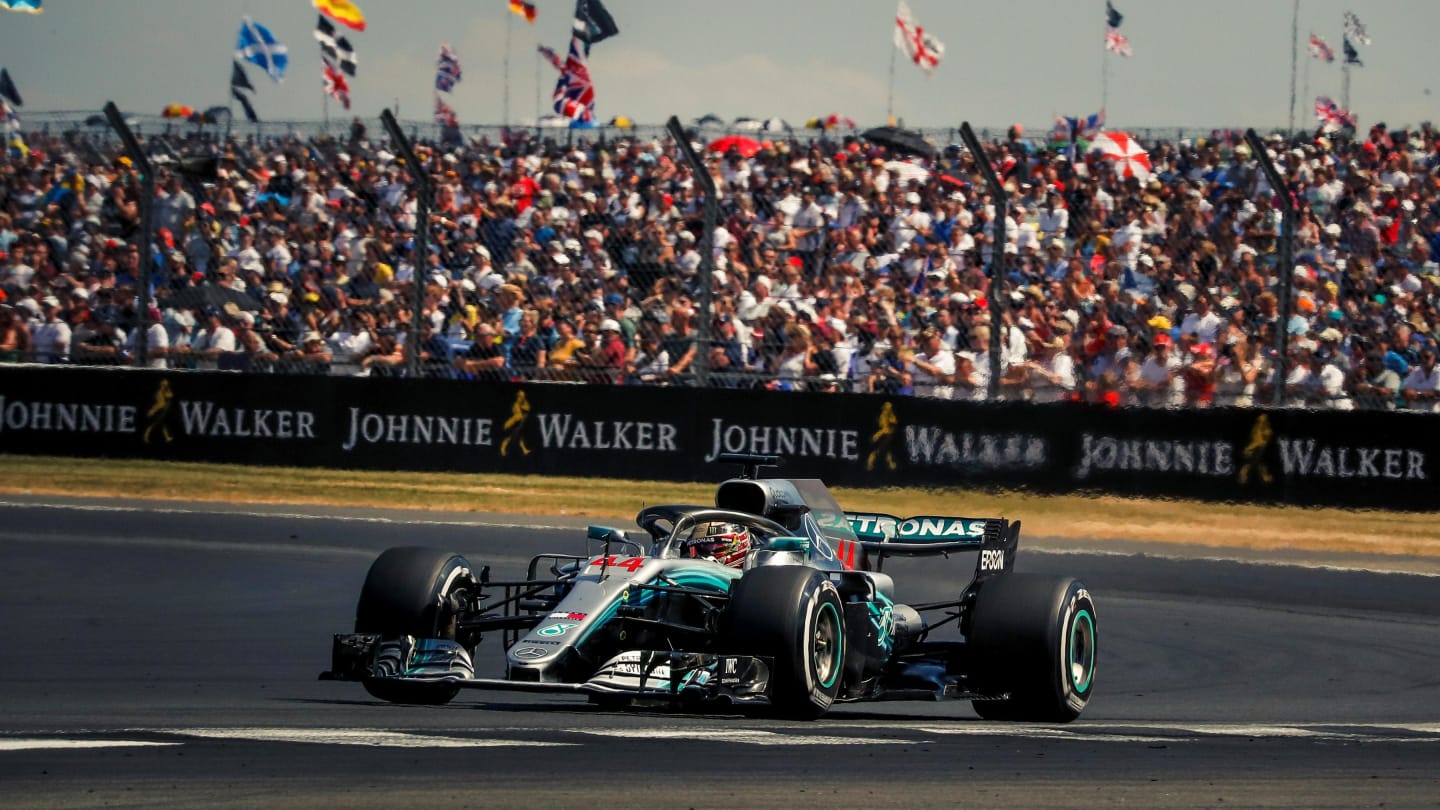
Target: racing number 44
[[631, 564]]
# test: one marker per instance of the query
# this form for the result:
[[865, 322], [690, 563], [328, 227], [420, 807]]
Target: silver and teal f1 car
[[808, 620]]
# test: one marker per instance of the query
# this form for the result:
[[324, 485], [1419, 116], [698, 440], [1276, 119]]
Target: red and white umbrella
[[1130, 158]]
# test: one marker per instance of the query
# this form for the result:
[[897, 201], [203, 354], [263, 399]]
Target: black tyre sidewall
[[774, 612], [400, 597], [1021, 641]]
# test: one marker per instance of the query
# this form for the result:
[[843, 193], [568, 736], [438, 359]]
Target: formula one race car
[[772, 598]]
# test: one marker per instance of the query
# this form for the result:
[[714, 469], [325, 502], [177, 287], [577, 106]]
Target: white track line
[[81, 507], [350, 736], [743, 736], [36, 744]]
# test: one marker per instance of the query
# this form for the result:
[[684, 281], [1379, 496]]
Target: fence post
[[419, 261], [1285, 264], [707, 249], [997, 253], [147, 229]]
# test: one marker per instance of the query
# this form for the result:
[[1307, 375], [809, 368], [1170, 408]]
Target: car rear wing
[[884, 536]]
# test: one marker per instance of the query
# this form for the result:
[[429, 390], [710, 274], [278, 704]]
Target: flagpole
[[890, 101], [509, 26], [1305, 78], [1294, 59], [537, 79], [1105, 64], [1345, 67]]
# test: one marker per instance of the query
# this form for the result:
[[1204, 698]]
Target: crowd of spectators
[[837, 266]]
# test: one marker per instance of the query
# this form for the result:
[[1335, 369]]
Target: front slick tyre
[[1034, 637], [792, 615], [407, 593]]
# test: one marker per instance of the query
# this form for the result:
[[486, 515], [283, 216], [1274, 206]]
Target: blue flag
[[256, 44]]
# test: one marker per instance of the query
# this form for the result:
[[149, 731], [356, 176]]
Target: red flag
[[523, 9]]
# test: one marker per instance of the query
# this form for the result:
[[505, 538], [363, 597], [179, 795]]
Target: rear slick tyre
[[794, 616], [1034, 637], [407, 593]]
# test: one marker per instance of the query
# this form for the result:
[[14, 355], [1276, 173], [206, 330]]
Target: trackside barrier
[[1353, 459]]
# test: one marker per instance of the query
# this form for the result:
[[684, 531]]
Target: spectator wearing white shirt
[[1053, 218], [52, 337], [934, 367], [1422, 384], [1203, 321]]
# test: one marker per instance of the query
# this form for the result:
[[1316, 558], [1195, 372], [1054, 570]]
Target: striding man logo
[[882, 441], [159, 414], [514, 427], [1253, 457]]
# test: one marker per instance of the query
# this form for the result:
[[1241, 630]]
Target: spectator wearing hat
[[1052, 374], [933, 367], [212, 341], [1159, 384], [312, 357], [603, 359], [485, 359], [51, 338]]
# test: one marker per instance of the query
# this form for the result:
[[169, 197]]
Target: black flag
[[7, 89], [1113, 18], [593, 23], [238, 78], [1352, 56], [245, 103], [337, 51]]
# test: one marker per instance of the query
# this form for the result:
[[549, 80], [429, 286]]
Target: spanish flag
[[524, 9], [342, 11]]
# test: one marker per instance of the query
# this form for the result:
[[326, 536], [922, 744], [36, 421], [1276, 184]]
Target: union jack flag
[[1117, 42], [1332, 116], [551, 57], [1320, 49], [444, 115], [447, 69], [1085, 128], [335, 85], [574, 94]]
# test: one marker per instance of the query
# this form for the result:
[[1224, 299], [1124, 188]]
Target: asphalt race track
[[166, 656]]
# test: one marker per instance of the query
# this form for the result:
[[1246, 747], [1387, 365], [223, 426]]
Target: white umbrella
[[908, 171], [775, 125]]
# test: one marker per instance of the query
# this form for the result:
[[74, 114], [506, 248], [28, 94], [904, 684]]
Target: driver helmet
[[725, 543]]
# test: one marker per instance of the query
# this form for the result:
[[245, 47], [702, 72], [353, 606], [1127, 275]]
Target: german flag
[[523, 9]]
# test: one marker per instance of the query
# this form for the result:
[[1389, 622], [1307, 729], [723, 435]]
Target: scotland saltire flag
[[447, 69], [574, 94], [27, 6], [257, 45]]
